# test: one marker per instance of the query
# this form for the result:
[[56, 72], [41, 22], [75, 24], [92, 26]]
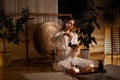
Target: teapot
[[100, 65]]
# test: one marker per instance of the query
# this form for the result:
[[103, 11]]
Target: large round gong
[[43, 36]]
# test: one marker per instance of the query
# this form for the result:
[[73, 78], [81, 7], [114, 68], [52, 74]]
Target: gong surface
[[43, 36]]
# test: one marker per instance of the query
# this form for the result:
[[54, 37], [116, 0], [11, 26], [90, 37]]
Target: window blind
[[112, 40], [107, 43]]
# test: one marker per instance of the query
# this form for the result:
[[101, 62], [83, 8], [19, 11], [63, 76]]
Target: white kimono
[[66, 57]]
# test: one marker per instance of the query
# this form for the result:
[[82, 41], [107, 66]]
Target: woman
[[66, 43]]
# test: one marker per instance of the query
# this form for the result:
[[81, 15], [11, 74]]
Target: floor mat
[[47, 76]]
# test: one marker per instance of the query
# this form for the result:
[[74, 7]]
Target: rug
[[47, 76]]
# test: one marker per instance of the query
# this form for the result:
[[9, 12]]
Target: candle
[[92, 70], [92, 65], [76, 70]]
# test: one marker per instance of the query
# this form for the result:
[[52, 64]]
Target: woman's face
[[69, 25]]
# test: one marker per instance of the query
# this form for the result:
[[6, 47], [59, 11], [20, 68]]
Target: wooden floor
[[15, 71]]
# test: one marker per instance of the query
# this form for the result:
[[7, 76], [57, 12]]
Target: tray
[[85, 71]]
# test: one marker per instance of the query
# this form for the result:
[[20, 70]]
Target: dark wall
[[74, 7]]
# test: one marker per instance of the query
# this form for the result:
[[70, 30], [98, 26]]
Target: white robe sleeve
[[60, 45], [75, 38]]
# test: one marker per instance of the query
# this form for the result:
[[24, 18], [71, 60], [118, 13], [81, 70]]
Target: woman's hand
[[74, 47]]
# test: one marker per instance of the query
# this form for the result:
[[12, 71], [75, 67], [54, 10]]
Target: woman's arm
[[58, 34]]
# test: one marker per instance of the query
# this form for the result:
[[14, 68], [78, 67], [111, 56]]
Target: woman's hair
[[65, 21]]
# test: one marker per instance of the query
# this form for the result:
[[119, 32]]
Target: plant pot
[[5, 59], [84, 53]]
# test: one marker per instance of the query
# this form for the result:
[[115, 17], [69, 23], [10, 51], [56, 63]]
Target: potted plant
[[9, 31], [86, 26]]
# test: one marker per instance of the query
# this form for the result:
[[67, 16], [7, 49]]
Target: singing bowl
[[43, 35]]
